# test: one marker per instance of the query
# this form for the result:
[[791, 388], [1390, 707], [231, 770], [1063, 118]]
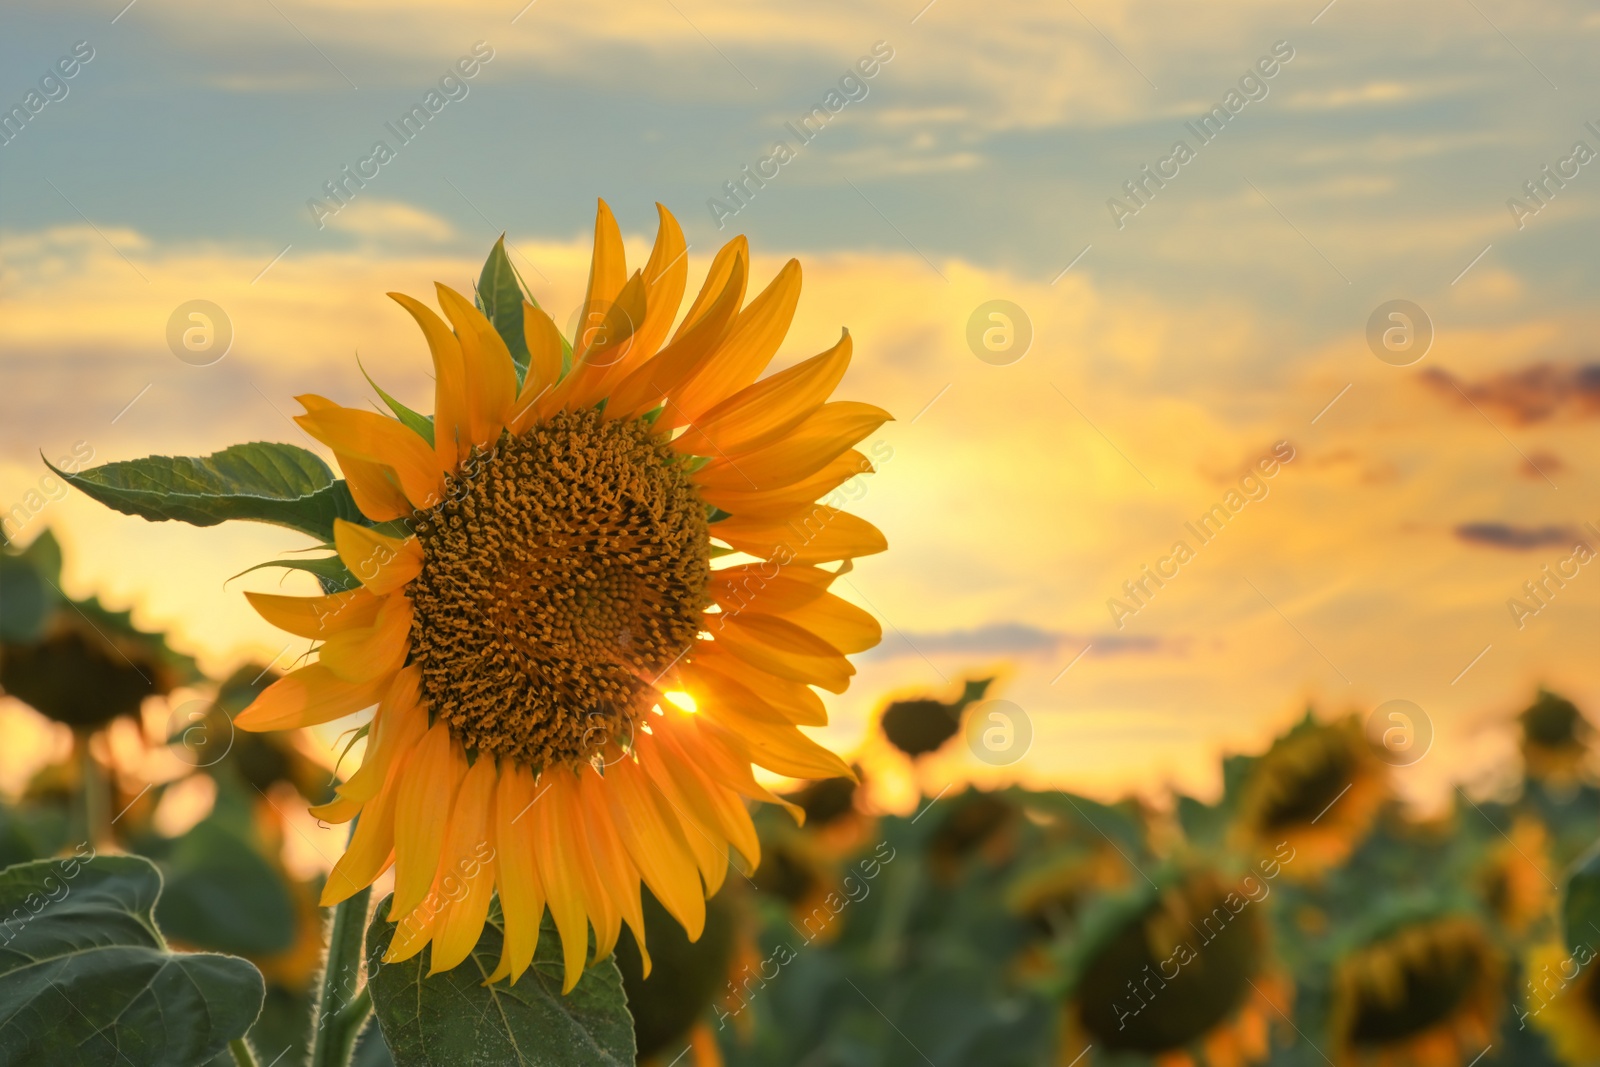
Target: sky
[[1189, 313]]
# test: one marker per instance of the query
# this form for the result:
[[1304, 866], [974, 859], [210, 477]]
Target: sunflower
[[570, 696], [1513, 881], [1319, 789], [1563, 1001], [1179, 975], [1555, 739], [1426, 991]]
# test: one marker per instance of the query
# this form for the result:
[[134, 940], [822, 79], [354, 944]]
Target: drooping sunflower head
[[1561, 997], [1424, 988], [1319, 789], [587, 596], [1180, 974], [1555, 739], [82, 664]]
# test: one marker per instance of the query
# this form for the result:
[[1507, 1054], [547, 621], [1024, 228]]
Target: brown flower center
[[564, 573]]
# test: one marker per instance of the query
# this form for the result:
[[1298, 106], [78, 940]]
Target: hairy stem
[[341, 1010]]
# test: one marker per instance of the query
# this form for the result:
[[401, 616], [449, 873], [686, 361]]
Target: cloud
[[1531, 395], [1516, 538], [1016, 639], [391, 221]]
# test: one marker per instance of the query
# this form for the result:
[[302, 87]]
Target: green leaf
[[500, 295], [421, 425], [1580, 908], [86, 978], [26, 600], [221, 894], [262, 482], [329, 570], [453, 1018]]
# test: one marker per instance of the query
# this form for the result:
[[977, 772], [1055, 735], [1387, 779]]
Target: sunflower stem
[[242, 1056], [96, 795], [341, 1010]]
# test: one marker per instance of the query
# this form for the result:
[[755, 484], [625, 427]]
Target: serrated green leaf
[[500, 296], [86, 978], [260, 482], [453, 1018]]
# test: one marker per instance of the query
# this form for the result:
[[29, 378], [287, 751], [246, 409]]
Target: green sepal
[[328, 570], [500, 295], [418, 423]]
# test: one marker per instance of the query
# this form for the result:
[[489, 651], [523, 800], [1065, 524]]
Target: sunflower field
[[589, 598]]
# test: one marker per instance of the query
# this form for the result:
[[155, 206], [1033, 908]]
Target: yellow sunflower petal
[[718, 275], [723, 761], [517, 871], [607, 351], [317, 617], [749, 346], [779, 748], [422, 812], [380, 649], [821, 535], [552, 815], [451, 432], [779, 647], [400, 722], [376, 489], [783, 504], [715, 804], [823, 436], [763, 413], [665, 276], [544, 369], [656, 845], [307, 697], [379, 562], [611, 863], [732, 679], [608, 270], [377, 438], [491, 377], [371, 847], [466, 873], [657, 377], [690, 799], [835, 620]]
